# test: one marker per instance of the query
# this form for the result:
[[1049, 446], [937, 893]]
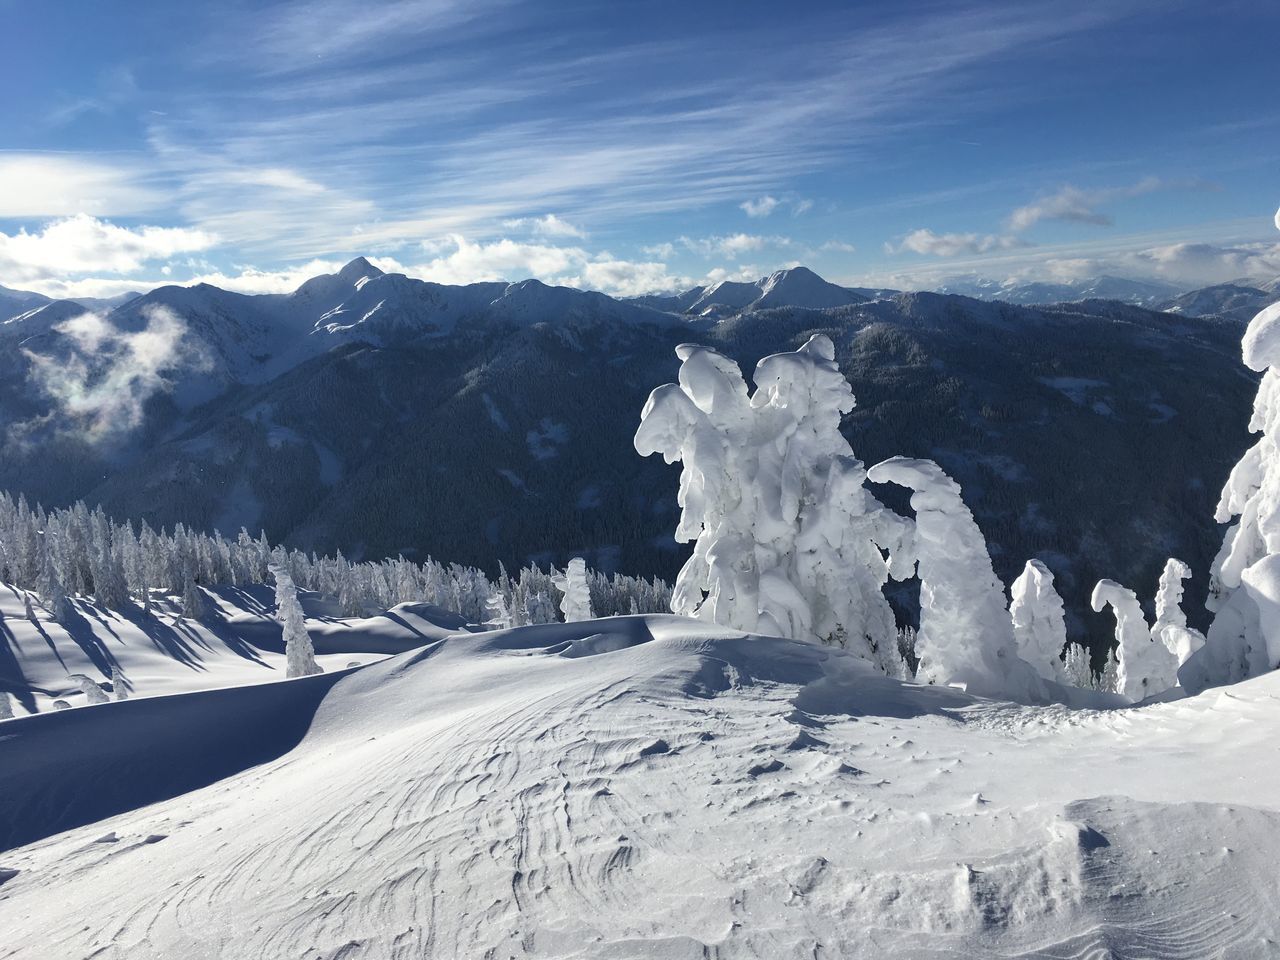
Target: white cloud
[[766, 205], [837, 246], [507, 259], [761, 207], [84, 244], [928, 243], [36, 185], [546, 226], [664, 251], [732, 245]]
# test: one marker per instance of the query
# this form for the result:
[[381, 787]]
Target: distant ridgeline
[[383, 416], [77, 551]]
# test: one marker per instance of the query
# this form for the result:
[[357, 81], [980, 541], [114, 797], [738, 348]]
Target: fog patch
[[103, 377]]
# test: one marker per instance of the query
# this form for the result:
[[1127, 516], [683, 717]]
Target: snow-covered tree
[[538, 608], [575, 602], [500, 617], [61, 705], [1171, 627], [300, 658], [1039, 627], [92, 692], [117, 682], [787, 539], [1244, 580], [965, 633], [193, 602], [6, 709], [1145, 665]]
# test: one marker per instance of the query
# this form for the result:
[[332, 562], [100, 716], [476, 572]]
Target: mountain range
[[378, 414]]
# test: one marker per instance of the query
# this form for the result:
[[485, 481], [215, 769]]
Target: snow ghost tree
[[1171, 623], [500, 617], [965, 633], [576, 602], [1244, 581], [787, 539], [6, 710], [300, 658], [1146, 666], [92, 692], [193, 605], [1039, 628], [117, 683]]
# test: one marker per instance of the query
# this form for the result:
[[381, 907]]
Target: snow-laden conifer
[[300, 658], [965, 634], [787, 539], [1039, 626], [1145, 665], [575, 601]]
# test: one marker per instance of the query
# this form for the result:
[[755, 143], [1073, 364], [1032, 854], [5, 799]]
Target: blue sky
[[633, 146]]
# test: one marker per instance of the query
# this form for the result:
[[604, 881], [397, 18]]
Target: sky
[[634, 147]]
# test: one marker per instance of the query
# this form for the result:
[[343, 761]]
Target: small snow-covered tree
[[92, 692], [300, 658], [6, 709], [575, 603], [117, 682], [61, 705], [538, 608], [500, 617], [1171, 627], [28, 610], [965, 633], [1039, 628], [1145, 666]]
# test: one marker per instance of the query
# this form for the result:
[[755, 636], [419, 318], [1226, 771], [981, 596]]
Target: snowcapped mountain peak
[[357, 271], [793, 287]]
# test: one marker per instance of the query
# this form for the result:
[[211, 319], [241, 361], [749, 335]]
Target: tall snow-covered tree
[[300, 658], [1039, 627], [965, 633], [193, 602], [787, 539], [575, 601], [1146, 666]]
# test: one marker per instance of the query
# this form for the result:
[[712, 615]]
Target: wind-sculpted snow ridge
[[663, 787]]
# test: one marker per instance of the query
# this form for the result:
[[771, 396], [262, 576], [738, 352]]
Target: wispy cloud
[[34, 185], [1076, 205], [928, 243]]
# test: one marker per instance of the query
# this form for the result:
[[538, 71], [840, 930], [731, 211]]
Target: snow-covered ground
[[237, 643], [641, 787]]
